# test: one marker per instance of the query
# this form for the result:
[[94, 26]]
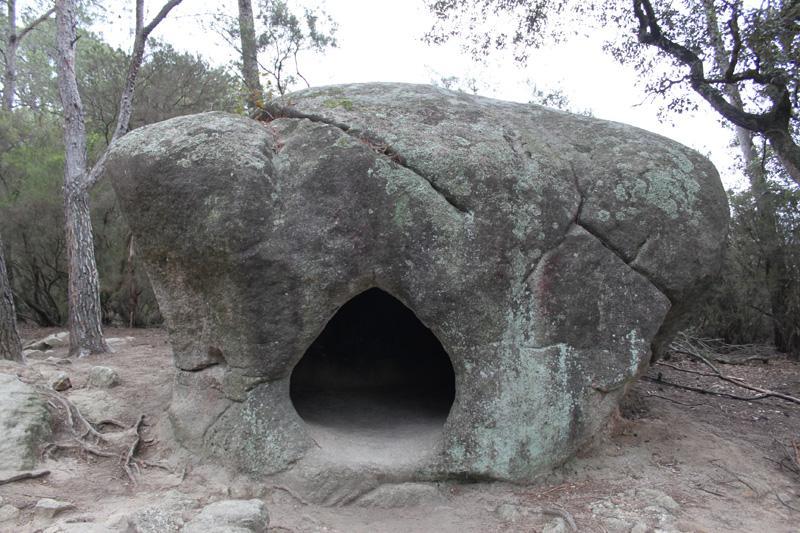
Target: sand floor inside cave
[[675, 461]]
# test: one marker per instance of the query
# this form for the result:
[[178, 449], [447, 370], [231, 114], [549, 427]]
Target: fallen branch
[[651, 395], [765, 393], [706, 391], [18, 476], [721, 352]]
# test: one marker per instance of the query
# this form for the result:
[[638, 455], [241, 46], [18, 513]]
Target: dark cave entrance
[[376, 384]]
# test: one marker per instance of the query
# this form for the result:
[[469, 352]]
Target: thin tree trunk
[[85, 313], [247, 33], [133, 294], [12, 45], [10, 347], [83, 293], [775, 272], [10, 74]]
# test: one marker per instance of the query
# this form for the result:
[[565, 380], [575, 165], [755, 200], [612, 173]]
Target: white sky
[[380, 40]]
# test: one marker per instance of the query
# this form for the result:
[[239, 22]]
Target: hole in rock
[[376, 385]]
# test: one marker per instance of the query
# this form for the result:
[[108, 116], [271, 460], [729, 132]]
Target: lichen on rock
[[546, 251]]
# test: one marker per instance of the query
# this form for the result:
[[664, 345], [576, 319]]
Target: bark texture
[[10, 347], [85, 314], [10, 74], [247, 33]]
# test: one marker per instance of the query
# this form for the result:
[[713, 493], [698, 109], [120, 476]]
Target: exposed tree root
[[17, 476], [86, 439], [564, 515]]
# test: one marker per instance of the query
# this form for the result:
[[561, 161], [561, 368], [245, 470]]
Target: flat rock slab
[[247, 516], [24, 424]]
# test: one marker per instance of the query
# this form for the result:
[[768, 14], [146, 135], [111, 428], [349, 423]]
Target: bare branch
[[126, 99], [160, 16], [774, 123], [733, 27], [27, 29]]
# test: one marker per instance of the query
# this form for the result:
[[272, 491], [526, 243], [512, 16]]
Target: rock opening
[[376, 382]]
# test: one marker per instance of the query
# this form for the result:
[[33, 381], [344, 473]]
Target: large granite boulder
[[549, 253]]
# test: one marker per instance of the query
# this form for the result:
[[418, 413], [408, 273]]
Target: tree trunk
[[13, 39], [10, 347], [85, 313], [130, 274], [249, 55], [85, 317], [10, 74], [776, 273]]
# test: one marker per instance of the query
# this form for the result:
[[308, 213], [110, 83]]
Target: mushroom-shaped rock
[[545, 251]]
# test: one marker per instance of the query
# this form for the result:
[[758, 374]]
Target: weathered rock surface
[[102, 377], [246, 516], [546, 251], [60, 381], [24, 424], [164, 517], [48, 507], [97, 405], [8, 513], [56, 340]]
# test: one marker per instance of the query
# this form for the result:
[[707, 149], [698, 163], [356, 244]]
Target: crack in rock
[[576, 221], [274, 111]]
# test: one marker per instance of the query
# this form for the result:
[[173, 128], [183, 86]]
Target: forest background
[[193, 62]]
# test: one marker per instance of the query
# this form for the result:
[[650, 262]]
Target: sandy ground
[[675, 461]]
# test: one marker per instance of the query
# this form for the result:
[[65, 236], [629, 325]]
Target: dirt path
[[679, 461]]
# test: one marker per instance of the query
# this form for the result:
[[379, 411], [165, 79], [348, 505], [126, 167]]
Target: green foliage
[[171, 83], [31, 214], [738, 307], [282, 36]]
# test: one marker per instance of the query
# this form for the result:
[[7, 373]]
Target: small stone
[[29, 353], [616, 525], [60, 382], [118, 522], [659, 498], [508, 512], [57, 361], [56, 340], [97, 404], [102, 377], [640, 527], [230, 515], [48, 507], [8, 512], [557, 525]]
